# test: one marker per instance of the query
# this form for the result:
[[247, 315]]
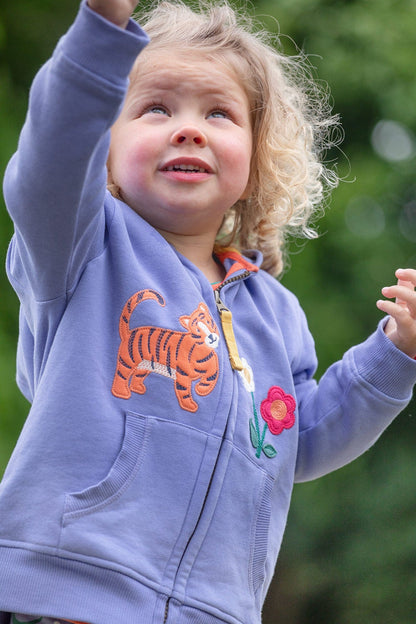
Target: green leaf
[[253, 434], [269, 451]]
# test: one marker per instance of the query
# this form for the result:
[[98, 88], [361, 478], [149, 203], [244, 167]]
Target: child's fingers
[[402, 315], [406, 279], [405, 300], [401, 327], [116, 11], [392, 309], [407, 275], [405, 296], [404, 284]]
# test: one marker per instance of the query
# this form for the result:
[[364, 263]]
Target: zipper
[[227, 322], [165, 616], [236, 363]]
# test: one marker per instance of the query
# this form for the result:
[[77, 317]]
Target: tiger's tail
[[142, 295]]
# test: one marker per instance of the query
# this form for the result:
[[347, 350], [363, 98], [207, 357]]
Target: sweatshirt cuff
[[92, 39], [384, 366]]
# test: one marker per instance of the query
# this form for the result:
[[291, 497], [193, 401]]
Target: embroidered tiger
[[181, 356]]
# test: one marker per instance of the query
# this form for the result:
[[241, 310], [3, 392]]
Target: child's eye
[[157, 109], [219, 114]]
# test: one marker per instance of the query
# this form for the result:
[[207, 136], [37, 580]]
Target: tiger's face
[[200, 324]]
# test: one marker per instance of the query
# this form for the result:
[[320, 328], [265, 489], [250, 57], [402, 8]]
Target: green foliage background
[[349, 553]]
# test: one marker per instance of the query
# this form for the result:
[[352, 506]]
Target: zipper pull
[[227, 328]]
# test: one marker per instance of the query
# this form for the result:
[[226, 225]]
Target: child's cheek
[[129, 165]]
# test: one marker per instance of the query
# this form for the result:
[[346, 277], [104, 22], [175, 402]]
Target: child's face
[[181, 149]]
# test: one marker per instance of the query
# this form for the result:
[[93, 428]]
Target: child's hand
[[401, 327], [116, 11]]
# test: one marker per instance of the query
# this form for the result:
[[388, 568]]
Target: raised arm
[[55, 184]]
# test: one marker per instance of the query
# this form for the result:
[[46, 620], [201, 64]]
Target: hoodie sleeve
[[354, 402], [55, 184]]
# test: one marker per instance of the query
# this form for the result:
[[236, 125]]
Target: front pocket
[[137, 515], [120, 476]]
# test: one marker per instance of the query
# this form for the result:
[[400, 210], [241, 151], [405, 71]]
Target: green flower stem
[[256, 422], [259, 450], [256, 418]]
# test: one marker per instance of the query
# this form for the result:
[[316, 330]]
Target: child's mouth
[[187, 168]]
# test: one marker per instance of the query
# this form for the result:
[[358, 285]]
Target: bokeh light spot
[[392, 141], [364, 217]]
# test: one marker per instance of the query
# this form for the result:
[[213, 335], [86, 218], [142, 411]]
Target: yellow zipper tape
[[227, 327]]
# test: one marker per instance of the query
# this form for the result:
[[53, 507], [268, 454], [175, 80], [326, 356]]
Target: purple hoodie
[[152, 479]]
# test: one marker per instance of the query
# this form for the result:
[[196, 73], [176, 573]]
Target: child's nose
[[189, 134]]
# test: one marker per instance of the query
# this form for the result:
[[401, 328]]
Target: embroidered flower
[[278, 410], [247, 376]]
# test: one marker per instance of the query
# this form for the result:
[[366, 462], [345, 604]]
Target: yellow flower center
[[278, 409]]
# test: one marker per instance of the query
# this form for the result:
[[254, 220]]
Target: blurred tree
[[349, 553]]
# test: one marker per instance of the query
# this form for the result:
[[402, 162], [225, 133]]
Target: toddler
[[170, 373]]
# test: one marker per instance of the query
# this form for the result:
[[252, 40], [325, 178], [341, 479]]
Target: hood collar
[[233, 261]]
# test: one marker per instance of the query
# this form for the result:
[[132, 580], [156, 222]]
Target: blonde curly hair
[[292, 124]]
